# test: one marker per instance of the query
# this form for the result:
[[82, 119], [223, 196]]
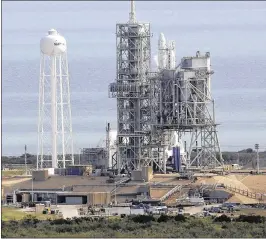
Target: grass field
[[252, 211], [16, 214], [9, 173]]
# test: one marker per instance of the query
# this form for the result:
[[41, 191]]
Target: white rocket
[[162, 52], [174, 142], [171, 55], [166, 53]]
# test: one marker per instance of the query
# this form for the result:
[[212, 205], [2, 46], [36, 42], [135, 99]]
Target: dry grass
[[251, 211], [17, 214], [10, 173], [157, 193]]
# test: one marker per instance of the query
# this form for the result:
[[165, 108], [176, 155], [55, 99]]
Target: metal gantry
[[186, 106], [152, 108], [132, 90]]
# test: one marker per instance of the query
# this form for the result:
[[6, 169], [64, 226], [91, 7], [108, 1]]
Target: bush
[[180, 218], [142, 218], [30, 220], [163, 218], [60, 221], [222, 218], [251, 219]]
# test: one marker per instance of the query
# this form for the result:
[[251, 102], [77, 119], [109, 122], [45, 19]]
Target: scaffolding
[[185, 106], [154, 107]]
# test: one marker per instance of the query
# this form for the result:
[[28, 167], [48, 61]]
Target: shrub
[[180, 218], [29, 220], [163, 218], [250, 219], [222, 218], [143, 218], [60, 221]]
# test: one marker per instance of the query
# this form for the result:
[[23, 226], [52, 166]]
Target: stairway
[[172, 199]]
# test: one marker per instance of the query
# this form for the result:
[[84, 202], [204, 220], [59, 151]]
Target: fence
[[247, 193]]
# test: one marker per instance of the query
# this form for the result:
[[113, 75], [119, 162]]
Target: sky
[[234, 33]]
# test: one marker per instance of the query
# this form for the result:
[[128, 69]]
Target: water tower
[[55, 143]]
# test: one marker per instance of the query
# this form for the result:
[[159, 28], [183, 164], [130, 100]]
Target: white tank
[[53, 44]]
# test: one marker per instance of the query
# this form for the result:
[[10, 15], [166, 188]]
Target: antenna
[[132, 15]]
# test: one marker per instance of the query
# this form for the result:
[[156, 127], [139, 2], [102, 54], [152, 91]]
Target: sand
[[12, 181], [256, 183], [157, 193]]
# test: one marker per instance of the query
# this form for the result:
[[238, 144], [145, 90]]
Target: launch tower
[[132, 92]]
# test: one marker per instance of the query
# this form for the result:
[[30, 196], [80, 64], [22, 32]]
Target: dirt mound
[[256, 183], [237, 198]]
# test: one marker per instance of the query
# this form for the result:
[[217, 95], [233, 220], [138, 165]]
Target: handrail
[[171, 192]]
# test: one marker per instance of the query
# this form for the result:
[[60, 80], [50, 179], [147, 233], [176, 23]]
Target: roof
[[128, 190], [58, 182], [93, 188]]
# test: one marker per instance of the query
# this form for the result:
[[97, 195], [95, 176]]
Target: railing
[[247, 193], [171, 192], [119, 183]]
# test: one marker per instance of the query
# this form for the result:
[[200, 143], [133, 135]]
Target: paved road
[[68, 211]]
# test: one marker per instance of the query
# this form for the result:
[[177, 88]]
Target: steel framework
[[153, 107], [185, 105], [132, 92], [55, 125]]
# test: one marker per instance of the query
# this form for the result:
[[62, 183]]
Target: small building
[[62, 190], [219, 196]]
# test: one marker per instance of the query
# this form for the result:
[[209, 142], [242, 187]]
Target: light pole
[[32, 188], [26, 159], [115, 193], [258, 159], [80, 150]]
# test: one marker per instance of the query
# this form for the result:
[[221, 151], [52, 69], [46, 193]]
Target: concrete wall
[[137, 175], [40, 175], [99, 198], [147, 173]]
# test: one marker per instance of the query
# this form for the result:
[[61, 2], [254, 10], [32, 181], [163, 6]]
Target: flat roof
[[57, 182]]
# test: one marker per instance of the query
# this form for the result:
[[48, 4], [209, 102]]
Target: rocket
[[162, 52], [171, 55], [166, 53]]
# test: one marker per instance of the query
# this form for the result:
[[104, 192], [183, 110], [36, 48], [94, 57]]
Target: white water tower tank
[[53, 44]]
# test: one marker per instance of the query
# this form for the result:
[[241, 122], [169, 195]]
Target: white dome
[[53, 44]]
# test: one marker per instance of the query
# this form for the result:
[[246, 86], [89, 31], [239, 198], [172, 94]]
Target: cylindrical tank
[[53, 44]]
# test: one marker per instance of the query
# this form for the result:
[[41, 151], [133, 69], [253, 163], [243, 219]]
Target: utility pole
[[80, 150], [25, 159], [32, 195], [258, 159]]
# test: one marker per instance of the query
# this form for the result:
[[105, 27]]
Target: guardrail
[[171, 192], [119, 183], [247, 193]]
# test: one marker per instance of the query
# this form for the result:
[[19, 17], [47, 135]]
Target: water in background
[[234, 33]]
